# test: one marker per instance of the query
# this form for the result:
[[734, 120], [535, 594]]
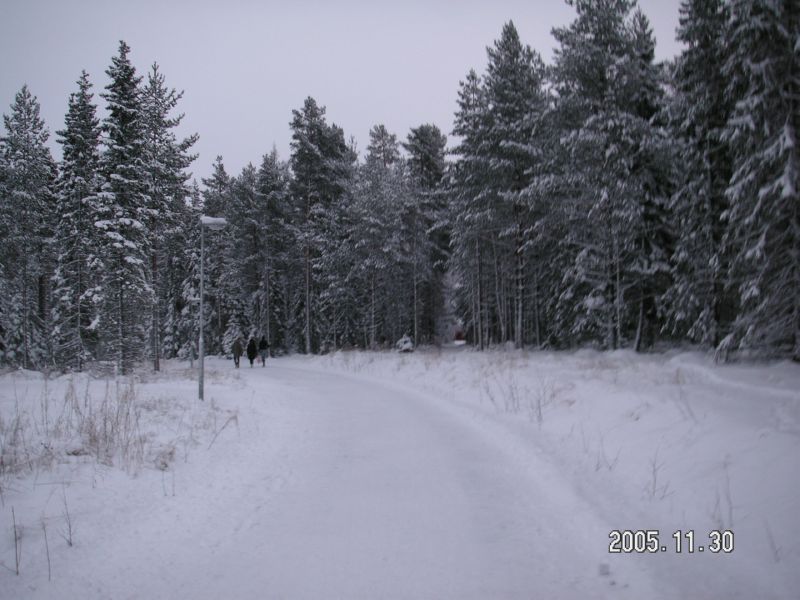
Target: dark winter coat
[[252, 350], [263, 345], [237, 348]]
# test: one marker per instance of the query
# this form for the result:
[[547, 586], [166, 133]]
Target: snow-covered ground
[[438, 474]]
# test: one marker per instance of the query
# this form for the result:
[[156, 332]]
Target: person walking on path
[[251, 350], [237, 351], [263, 348]]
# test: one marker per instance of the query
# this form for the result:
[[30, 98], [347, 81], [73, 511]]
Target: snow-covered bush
[[404, 344]]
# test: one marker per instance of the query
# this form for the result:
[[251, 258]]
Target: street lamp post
[[216, 224]]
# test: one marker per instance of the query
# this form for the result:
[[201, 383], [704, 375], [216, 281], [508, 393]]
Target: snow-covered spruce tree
[[548, 225], [651, 180], [273, 293], [604, 81], [343, 312], [470, 212], [514, 79], [378, 255], [590, 47], [124, 215], [239, 278], [181, 326], [4, 278], [428, 227], [77, 290], [242, 275], [181, 247], [698, 305], [217, 196], [165, 162], [386, 186], [26, 229], [321, 162], [337, 306], [498, 120], [763, 218]]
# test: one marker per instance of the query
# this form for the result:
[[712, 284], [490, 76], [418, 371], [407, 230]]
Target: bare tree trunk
[[121, 363], [308, 300], [41, 283], [156, 325], [637, 345], [713, 249], [267, 302], [609, 301], [520, 291], [79, 324], [473, 306], [26, 325], [796, 281], [536, 306], [416, 294], [372, 313], [481, 340], [220, 333], [500, 296], [618, 293]]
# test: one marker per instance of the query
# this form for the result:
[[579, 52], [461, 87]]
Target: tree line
[[603, 199]]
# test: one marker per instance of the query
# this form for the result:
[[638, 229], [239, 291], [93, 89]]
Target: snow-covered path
[[391, 498], [337, 487], [329, 485], [382, 496]]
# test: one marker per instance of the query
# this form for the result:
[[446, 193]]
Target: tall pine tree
[[470, 211], [611, 186], [217, 196], [165, 162], [321, 162], [763, 219], [498, 121], [274, 293], [78, 294], [428, 229], [125, 213], [514, 80], [26, 223], [698, 305]]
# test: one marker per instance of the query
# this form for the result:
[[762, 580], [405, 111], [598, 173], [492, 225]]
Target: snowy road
[[383, 496], [331, 486], [391, 498]]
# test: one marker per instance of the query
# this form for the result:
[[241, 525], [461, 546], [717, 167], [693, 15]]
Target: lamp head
[[215, 223]]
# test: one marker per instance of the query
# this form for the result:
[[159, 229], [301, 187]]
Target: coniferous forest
[[602, 200]]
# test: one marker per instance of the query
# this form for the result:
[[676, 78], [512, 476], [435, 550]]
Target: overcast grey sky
[[244, 65]]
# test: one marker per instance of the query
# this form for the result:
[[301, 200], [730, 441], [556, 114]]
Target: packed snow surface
[[439, 474]]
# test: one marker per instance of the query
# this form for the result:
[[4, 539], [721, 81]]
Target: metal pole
[[202, 277]]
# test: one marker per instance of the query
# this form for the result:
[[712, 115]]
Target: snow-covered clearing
[[449, 474]]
